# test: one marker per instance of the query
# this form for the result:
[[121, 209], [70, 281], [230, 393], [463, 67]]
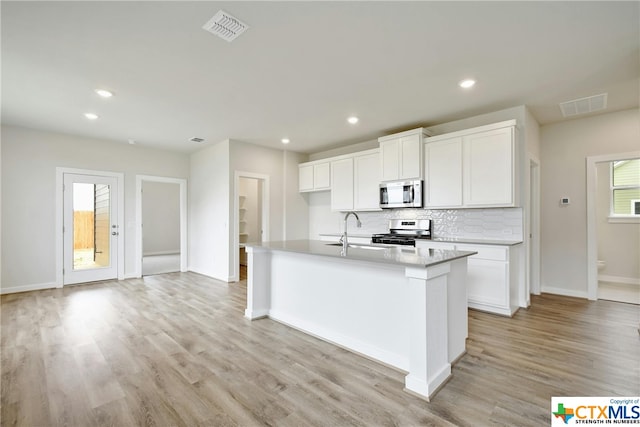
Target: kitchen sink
[[356, 246]]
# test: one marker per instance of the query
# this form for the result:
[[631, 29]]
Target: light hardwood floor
[[175, 350]]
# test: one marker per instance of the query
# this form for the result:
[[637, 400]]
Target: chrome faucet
[[344, 239]]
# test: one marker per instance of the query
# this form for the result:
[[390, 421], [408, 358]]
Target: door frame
[[264, 183], [183, 219], [532, 232], [592, 226], [59, 221]]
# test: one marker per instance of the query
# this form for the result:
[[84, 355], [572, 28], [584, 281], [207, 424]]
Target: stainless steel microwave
[[401, 194]]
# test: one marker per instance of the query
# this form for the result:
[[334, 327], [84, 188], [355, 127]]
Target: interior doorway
[[161, 225], [611, 261], [251, 217]]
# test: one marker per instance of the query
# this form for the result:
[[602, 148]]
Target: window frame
[[621, 218]]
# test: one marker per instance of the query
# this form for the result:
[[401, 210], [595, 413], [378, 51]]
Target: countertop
[[477, 241], [468, 240], [406, 256]]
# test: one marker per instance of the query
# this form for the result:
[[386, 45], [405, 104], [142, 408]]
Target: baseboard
[[208, 274], [161, 253], [27, 288], [564, 292], [618, 279]]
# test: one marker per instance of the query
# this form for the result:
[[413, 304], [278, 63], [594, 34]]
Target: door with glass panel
[[90, 228]]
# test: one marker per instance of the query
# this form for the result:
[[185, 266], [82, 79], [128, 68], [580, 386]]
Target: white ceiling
[[303, 67]]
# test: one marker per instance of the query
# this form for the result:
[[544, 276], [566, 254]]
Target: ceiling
[[303, 67]]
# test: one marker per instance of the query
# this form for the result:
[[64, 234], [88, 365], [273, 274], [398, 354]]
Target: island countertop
[[406, 256]]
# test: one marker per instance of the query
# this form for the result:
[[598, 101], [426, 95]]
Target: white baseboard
[[27, 288], [564, 292], [370, 351], [618, 279], [176, 252], [207, 273]]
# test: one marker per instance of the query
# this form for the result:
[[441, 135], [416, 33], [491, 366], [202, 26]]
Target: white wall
[[296, 212], [618, 243], [29, 161], [287, 216], [160, 218], [209, 211], [564, 148]]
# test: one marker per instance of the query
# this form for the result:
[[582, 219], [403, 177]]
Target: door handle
[[114, 233]]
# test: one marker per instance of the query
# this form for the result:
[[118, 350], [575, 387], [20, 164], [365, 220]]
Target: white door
[[90, 228]]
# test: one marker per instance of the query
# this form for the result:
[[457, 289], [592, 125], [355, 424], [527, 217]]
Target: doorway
[[251, 217], [90, 214], [161, 225], [608, 230]]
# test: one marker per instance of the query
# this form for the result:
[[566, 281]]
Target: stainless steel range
[[404, 232]]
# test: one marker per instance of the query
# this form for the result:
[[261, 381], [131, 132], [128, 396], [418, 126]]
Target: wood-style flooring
[[175, 350]]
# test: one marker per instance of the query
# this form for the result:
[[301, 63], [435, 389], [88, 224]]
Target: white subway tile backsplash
[[495, 223], [505, 223]]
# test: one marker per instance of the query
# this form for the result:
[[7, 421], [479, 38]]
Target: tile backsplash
[[495, 223]]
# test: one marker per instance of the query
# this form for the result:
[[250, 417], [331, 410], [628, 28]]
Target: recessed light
[[353, 120], [91, 116], [467, 83], [285, 140], [104, 93]]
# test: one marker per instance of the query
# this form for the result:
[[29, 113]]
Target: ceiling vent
[[196, 140], [225, 26], [584, 105]]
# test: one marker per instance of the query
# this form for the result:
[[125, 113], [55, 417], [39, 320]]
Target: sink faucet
[[343, 239]]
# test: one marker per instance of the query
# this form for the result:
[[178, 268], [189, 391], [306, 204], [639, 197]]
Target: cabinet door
[[410, 157], [487, 284], [489, 168], [342, 185], [322, 176], [443, 173], [390, 159], [366, 182], [305, 178]]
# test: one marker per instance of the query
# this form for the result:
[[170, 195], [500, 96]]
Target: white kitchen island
[[405, 307]]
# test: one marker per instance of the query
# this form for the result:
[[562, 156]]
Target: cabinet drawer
[[486, 252]]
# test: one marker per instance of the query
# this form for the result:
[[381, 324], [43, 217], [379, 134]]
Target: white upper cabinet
[[342, 188], [443, 173], [366, 174], [314, 176], [401, 155], [472, 168], [489, 164]]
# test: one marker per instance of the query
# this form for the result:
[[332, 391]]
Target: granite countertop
[[406, 256]]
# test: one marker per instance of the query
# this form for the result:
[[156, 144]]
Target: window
[[625, 188]]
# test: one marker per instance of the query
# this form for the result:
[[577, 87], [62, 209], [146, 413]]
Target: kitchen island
[[402, 306]]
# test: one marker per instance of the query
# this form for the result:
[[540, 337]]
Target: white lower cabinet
[[492, 275]]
